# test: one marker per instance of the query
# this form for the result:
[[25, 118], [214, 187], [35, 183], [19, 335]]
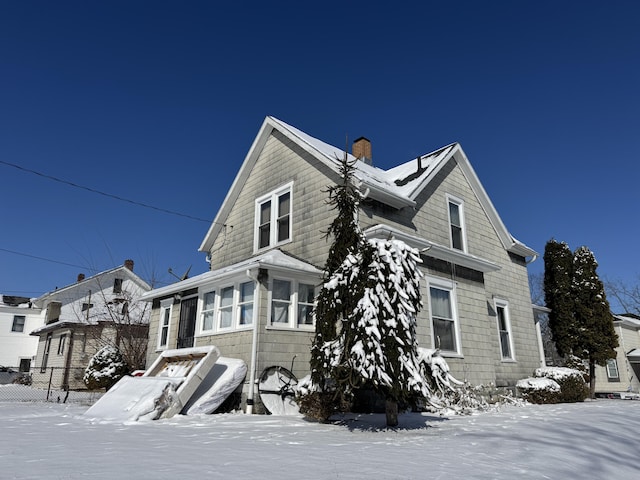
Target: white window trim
[[164, 306], [451, 287], [293, 323], [610, 377], [460, 203], [273, 231], [500, 303], [235, 307]]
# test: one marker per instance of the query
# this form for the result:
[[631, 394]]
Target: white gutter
[[254, 344]]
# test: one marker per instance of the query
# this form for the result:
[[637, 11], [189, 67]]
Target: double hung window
[[613, 375], [456, 224], [165, 322], [291, 303], [504, 330], [443, 317], [18, 323], [273, 218]]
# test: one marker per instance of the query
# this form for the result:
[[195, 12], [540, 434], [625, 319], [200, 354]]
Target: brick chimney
[[129, 264], [361, 149], [80, 277]]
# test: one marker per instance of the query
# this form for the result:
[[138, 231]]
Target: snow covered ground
[[596, 439]]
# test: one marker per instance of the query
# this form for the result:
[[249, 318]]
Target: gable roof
[[89, 280], [397, 187]]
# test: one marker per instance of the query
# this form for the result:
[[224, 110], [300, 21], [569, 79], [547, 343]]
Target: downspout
[[254, 344]]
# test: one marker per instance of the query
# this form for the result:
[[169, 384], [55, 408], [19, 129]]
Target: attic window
[[117, 285], [273, 218], [456, 223], [53, 312]]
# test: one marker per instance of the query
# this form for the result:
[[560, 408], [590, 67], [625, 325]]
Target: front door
[[187, 326]]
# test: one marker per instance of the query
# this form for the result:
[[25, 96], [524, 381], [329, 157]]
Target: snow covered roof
[[82, 284], [634, 355], [273, 260], [397, 187], [627, 321]]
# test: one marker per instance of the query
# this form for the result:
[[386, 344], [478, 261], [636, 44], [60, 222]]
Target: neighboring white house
[[81, 318], [621, 374], [18, 317]]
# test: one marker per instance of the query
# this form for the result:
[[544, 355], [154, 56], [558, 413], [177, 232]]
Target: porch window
[[292, 303], [61, 343], [165, 322], [45, 353], [225, 312], [208, 303], [245, 303]]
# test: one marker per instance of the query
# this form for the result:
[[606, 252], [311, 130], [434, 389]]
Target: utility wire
[[116, 197], [42, 258]]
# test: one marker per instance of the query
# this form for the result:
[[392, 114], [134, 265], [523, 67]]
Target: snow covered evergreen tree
[[558, 272], [365, 312], [597, 338], [105, 368], [344, 198], [377, 345]]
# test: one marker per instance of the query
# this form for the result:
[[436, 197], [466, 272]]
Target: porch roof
[[272, 260], [634, 355]]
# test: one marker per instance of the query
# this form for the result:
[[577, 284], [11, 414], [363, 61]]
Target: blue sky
[[158, 102]]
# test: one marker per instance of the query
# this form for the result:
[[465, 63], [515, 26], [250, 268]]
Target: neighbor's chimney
[[362, 150], [129, 264], [80, 277]]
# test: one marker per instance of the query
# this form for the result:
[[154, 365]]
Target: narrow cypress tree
[[594, 321], [333, 306], [558, 272]]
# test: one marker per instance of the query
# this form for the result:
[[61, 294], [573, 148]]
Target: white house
[[18, 317]]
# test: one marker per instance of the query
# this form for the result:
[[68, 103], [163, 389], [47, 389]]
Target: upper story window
[[117, 285], [291, 303], [273, 218], [613, 375], [444, 321], [504, 329], [456, 224], [223, 309], [165, 323], [18, 323], [53, 312]]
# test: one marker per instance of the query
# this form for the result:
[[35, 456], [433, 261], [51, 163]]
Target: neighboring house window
[[63, 339], [86, 306], [208, 304], [443, 317], [25, 364], [456, 223], [504, 329], [613, 375], [291, 303], [273, 218], [117, 285], [53, 312], [45, 353], [165, 322], [18, 323]]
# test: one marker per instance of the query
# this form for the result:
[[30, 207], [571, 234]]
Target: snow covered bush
[[105, 368], [573, 387], [539, 390], [554, 385]]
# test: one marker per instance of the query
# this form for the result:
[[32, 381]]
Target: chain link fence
[[50, 384]]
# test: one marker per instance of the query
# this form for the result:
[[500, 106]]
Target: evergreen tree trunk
[[592, 378], [391, 410]]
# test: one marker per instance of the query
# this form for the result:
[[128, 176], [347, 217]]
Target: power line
[[42, 258], [92, 190]]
